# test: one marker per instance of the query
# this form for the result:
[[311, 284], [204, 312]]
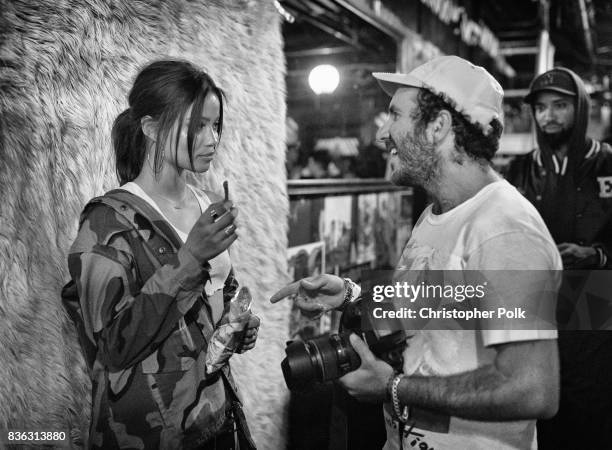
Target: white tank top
[[220, 265]]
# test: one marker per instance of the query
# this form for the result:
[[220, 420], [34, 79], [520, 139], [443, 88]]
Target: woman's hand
[[250, 334], [213, 232]]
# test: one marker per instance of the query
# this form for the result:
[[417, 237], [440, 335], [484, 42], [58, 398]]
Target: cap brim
[[530, 97], [391, 82]]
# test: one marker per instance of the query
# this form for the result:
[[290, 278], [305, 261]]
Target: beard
[[556, 140], [418, 162]]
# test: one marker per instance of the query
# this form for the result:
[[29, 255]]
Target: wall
[[65, 69]]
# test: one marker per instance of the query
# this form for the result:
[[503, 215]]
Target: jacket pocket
[[178, 352]]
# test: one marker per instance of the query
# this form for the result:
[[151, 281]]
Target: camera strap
[[242, 428]]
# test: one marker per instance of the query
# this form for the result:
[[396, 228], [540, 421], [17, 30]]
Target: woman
[[154, 278]]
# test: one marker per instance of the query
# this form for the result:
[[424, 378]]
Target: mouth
[[391, 148]]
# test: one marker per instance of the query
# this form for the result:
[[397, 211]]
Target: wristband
[[352, 292], [603, 259], [402, 414]]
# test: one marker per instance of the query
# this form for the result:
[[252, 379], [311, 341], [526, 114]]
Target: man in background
[[568, 178]]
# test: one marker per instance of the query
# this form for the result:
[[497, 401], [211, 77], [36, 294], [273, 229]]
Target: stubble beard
[[419, 163]]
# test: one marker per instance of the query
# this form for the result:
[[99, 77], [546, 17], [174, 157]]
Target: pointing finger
[[286, 291]]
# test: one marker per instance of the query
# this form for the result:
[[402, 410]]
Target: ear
[[441, 126], [149, 127]]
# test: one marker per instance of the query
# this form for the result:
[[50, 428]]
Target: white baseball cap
[[473, 90]]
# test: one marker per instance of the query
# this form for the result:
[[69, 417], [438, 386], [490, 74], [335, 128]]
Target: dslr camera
[[326, 358]]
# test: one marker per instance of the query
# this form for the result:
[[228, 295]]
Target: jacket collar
[[561, 166]]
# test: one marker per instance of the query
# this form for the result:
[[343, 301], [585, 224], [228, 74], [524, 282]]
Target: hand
[[369, 382], [250, 334], [314, 295], [577, 257], [213, 232]]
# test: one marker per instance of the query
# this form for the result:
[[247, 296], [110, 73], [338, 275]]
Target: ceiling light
[[324, 79]]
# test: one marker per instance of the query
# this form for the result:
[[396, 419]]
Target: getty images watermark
[[487, 300]]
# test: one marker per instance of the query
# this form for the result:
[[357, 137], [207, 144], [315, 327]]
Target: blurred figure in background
[[347, 166], [373, 156], [317, 166], [292, 141]]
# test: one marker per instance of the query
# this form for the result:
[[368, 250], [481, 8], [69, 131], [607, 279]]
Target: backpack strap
[[135, 209]]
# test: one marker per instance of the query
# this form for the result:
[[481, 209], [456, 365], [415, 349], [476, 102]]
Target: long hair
[[163, 90]]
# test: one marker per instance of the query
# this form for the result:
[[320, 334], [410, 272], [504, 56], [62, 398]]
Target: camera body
[[326, 358]]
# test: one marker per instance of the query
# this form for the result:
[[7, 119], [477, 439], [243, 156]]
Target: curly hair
[[468, 137]]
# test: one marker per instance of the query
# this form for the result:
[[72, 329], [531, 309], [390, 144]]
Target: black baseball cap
[[555, 80]]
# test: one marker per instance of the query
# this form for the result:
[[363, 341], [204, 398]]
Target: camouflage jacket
[[146, 317]]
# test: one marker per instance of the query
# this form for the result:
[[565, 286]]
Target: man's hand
[[575, 256], [369, 382], [314, 295]]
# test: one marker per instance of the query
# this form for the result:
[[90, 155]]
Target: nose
[[214, 134]]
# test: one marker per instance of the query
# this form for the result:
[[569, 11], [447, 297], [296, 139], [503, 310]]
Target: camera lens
[[336, 356], [321, 359], [299, 368], [326, 358]]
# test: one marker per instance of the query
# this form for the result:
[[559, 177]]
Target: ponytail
[[129, 144]]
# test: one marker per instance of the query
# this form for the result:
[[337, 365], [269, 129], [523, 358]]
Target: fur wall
[[65, 69]]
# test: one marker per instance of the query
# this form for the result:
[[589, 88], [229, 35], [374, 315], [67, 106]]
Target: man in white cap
[[476, 389]]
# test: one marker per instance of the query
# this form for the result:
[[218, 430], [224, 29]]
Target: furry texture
[[65, 70]]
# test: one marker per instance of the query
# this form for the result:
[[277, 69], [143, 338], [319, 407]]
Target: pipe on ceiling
[[586, 27]]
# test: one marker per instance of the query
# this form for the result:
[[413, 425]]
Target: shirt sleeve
[[524, 272], [128, 323]]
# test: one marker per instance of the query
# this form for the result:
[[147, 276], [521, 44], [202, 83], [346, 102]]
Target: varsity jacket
[[144, 323], [586, 209]]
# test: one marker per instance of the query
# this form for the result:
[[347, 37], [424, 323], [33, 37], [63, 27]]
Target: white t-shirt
[[220, 265], [496, 229]]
